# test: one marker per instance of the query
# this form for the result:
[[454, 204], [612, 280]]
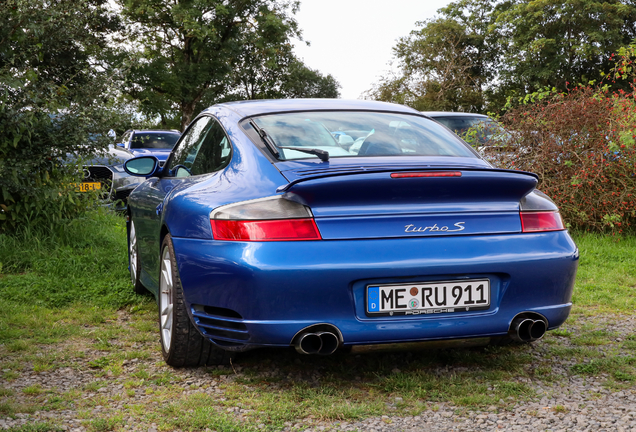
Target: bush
[[582, 144], [36, 186], [54, 101]]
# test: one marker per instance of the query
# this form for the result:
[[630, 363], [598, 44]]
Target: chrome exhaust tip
[[308, 343], [330, 343], [322, 339], [526, 329], [538, 329], [520, 329]]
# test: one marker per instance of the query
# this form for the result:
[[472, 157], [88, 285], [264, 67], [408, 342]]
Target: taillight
[[267, 219], [541, 221]]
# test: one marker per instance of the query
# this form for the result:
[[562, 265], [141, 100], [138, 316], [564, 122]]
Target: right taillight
[[541, 221], [268, 219]]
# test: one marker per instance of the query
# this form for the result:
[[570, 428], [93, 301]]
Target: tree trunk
[[187, 112]]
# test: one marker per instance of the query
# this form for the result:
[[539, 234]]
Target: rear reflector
[[265, 230], [427, 174], [541, 221]]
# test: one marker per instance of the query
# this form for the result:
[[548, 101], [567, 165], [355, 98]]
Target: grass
[[37, 427], [606, 278], [68, 305], [80, 263]]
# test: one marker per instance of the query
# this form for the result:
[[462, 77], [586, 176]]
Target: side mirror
[[112, 134], [142, 166]]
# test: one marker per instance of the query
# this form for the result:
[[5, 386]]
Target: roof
[[255, 107], [452, 114], [171, 131]]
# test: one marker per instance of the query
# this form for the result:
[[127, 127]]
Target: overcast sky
[[353, 39]]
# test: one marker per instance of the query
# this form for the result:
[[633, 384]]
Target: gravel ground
[[568, 403]]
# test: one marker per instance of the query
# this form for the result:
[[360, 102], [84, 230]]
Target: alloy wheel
[[132, 252], [166, 307]]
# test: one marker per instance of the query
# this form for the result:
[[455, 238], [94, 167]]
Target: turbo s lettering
[[410, 228]]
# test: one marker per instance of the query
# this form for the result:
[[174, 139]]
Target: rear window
[[353, 134]]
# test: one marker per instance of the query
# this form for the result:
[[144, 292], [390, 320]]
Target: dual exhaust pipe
[[524, 329], [322, 343]]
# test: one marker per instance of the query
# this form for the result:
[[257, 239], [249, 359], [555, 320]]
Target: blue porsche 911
[[331, 224]]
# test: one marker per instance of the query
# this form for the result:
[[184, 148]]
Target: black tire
[[181, 343], [133, 260]]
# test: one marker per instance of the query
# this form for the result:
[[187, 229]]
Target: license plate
[[428, 298], [89, 186]]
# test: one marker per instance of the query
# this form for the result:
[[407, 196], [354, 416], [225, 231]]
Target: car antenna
[[267, 140], [322, 154]]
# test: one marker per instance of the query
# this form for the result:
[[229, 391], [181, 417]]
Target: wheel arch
[[163, 233]]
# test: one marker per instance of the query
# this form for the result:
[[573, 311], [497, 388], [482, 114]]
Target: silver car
[[104, 172]]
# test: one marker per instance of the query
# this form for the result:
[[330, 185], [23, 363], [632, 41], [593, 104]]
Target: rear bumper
[[274, 290]]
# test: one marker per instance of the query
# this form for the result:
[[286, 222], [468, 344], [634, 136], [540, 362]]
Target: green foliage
[[485, 134], [300, 81], [52, 88], [267, 68], [440, 65], [289, 78], [477, 53], [62, 64], [549, 43], [186, 55], [582, 145]]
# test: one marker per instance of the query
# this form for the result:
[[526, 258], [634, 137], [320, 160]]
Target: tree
[[477, 53], [54, 84], [549, 43], [436, 71], [289, 79], [189, 51], [270, 70], [445, 65]]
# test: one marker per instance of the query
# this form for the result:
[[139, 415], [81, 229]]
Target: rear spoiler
[[363, 170]]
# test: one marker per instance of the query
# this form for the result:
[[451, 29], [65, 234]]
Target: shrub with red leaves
[[582, 144]]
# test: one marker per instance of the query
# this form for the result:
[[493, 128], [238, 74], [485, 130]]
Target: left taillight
[[266, 219], [538, 221]]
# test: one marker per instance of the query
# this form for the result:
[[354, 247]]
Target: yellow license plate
[[89, 186]]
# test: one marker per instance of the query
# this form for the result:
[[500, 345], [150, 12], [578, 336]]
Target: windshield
[[349, 134], [154, 140]]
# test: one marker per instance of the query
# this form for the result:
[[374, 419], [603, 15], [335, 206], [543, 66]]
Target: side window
[[124, 139], [204, 149]]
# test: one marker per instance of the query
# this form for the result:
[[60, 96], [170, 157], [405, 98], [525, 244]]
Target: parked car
[[482, 132], [156, 143], [104, 171], [461, 122], [263, 230]]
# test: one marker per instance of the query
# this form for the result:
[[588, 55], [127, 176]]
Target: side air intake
[[223, 326]]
